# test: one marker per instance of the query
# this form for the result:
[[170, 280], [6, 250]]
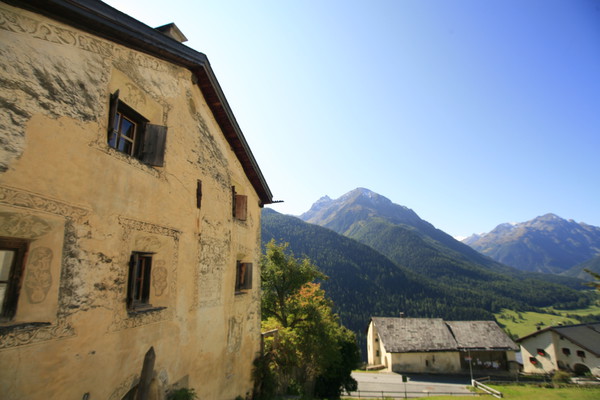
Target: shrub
[[182, 394], [561, 377]]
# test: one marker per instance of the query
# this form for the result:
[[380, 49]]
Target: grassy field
[[523, 323], [536, 393]]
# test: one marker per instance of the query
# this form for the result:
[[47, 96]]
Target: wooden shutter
[[243, 276], [131, 280], [238, 277], [241, 206], [112, 112], [154, 141], [248, 277], [233, 201]]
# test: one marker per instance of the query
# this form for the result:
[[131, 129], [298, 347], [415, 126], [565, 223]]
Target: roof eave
[[104, 21]]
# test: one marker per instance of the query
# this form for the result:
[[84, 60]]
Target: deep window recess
[[580, 353], [243, 276], [130, 133], [566, 351], [239, 205], [138, 290], [12, 260], [541, 352]]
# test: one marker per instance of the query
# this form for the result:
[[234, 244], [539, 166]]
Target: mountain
[[401, 235], [363, 282], [546, 244], [578, 271]]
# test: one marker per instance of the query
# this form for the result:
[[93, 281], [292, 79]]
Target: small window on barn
[[12, 261], [131, 133], [566, 351], [581, 353], [243, 276], [239, 204]]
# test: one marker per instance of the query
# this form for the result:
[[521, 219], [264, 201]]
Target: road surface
[[372, 384]]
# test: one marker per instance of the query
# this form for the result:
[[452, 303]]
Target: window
[[138, 290], [566, 351], [130, 133], [243, 276], [12, 260], [239, 205], [581, 353], [541, 352]]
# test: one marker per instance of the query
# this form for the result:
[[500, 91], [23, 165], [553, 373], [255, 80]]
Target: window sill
[[7, 327], [242, 292], [139, 310]]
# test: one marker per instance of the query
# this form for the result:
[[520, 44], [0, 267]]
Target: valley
[[382, 259]]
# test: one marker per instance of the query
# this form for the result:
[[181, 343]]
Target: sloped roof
[[100, 19], [586, 336], [406, 335], [484, 335]]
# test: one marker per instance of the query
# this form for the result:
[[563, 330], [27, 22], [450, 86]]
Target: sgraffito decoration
[[159, 277], [38, 276]]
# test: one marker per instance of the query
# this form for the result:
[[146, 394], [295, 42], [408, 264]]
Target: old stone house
[[574, 348], [129, 211], [432, 345]]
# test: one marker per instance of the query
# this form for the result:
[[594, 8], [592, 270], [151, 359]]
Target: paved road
[[417, 386]]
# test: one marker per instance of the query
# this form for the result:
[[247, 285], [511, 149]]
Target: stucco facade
[[85, 209], [549, 350]]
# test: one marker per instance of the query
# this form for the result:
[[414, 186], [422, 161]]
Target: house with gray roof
[[574, 348], [432, 345]]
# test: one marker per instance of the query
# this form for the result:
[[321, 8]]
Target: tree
[[596, 276], [312, 352]]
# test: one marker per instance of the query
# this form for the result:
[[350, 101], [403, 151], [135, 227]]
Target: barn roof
[[480, 335], [405, 335]]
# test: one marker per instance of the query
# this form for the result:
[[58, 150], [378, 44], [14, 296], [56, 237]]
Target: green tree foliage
[[596, 276], [311, 351]]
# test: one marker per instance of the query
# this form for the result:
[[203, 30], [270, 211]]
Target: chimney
[[171, 30]]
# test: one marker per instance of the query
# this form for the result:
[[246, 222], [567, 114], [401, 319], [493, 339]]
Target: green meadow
[[521, 323]]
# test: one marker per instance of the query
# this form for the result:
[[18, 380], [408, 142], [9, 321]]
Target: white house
[[573, 348]]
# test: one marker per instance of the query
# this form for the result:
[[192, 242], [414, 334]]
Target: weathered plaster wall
[[96, 205], [440, 362]]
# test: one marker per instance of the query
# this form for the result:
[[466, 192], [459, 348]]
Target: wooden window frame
[[243, 276], [13, 282], [148, 141], [239, 205], [138, 283]]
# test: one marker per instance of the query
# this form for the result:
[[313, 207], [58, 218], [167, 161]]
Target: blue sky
[[471, 113]]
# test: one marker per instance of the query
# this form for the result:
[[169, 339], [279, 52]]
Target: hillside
[[365, 283], [548, 244], [578, 271]]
